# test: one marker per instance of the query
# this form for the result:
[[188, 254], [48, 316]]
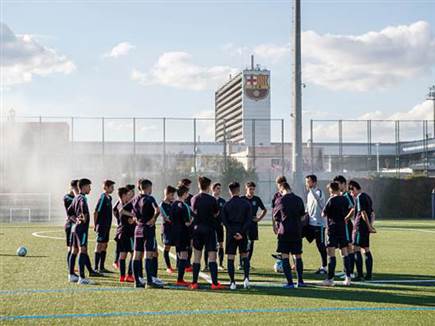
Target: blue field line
[[213, 312]]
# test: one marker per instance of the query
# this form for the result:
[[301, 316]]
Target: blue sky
[[78, 76]]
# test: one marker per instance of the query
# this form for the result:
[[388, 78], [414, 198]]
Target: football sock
[[102, 260], [122, 267], [130, 266], [251, 249], [369, 264], [149, 269], [195, 272], [97, 260], [246, 266], [230, 267], [287, 270], [72, 263], [155, 266], [331, 267], [213, 272], [299, 269], [351, 262], [181, 268], [88, 262], [68, 255], [166, 258], [136, 270], [82, 262], [346, 264], [221, 256], [359, 263]]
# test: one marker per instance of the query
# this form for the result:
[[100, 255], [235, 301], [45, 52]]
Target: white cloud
[[120, 49], [374, 60], [23, 57], [411, 126], [176, 69]]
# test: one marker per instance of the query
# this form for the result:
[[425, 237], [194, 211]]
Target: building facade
[[243, 110]]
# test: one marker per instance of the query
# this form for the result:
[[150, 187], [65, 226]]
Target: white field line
[[40, 235], [406, 229]]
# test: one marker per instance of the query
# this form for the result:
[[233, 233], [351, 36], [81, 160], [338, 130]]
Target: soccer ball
[[277, 267], [22, 251]]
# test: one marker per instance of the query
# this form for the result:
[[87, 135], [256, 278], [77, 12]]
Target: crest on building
[[256, 86]]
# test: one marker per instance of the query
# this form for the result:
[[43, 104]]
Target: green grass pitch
[[36, 286]]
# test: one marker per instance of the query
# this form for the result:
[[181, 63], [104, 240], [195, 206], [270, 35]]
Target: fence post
[[312, 145], [164, 150], [282, 147], [253, 143], [225, 145], [433, 204], [102, 135], [340, 144], [194, 146]]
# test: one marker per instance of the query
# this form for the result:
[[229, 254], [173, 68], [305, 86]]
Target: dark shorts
[[168, 237], [68, 229], [80, 238], [337, 241], [220, 233], [311, 233], [349, 231], [145, 239], [361, 238], [102, 235], [125, 244], [204, 237], [287, 247], [253, 231], [232, 244]]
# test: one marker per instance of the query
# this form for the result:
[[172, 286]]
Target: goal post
[[25, 207]]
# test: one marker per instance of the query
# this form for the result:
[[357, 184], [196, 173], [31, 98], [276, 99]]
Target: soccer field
[[34, 289]]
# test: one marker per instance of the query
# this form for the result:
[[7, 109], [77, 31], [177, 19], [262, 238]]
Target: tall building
[[242, 108]]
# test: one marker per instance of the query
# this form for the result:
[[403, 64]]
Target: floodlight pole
[[297, 155], [431, 97]]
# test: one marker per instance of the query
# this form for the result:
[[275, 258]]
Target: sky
[[361, 59]]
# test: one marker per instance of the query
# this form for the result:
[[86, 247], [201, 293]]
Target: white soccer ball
[[277, 267], [22, 251]]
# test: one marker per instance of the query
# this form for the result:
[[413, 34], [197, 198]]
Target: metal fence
[[50, 151]]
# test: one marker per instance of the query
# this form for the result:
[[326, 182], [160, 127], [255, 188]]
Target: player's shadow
[[27, 256], [355, 294]]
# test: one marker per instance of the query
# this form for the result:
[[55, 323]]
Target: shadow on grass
[[29, 256]]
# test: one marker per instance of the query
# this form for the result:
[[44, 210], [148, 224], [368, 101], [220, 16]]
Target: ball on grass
[[22, 251], [277, 267]]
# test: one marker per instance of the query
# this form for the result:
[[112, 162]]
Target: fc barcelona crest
[[257, 86]]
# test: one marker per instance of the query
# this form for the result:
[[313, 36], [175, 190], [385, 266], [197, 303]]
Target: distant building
[[242, 108]]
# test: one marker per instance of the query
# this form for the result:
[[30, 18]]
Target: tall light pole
[[297, 156], [431, 97]]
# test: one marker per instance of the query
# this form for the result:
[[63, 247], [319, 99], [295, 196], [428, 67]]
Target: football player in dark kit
[[115, 264], [103, 223], [206, 210], [187, 183], [69, 222], [166, 231], [124, 231], [335, 211], [342, 182], [181, 220], [216, 191], [80, 231], [237, 218], [256, 203], [362, 229], [287, 225], [146, 211]]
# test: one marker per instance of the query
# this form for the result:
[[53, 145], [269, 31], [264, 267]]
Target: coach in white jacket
[[315, 230]]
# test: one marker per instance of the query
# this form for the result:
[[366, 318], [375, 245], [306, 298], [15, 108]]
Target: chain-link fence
[[42, 154]]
